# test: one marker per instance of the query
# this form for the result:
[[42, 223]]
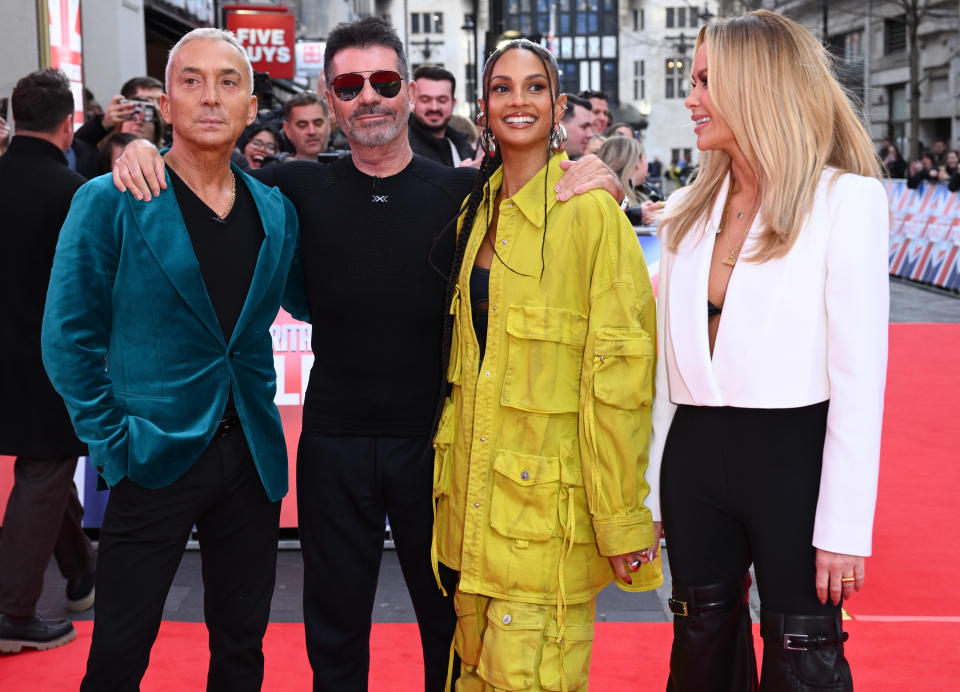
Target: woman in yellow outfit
[[542, 443]]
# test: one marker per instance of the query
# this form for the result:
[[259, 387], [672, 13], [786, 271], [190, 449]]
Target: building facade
[[870, 39]]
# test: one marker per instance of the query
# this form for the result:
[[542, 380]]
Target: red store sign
[[268, 37]]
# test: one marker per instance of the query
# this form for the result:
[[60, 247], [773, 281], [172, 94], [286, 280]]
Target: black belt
[[226, 424], [696, 600]]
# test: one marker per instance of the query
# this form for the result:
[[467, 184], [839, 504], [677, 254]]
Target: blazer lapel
[[687, 306], [272, 215], [165, 233]]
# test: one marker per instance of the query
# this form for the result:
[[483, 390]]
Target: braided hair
[[468, 212]]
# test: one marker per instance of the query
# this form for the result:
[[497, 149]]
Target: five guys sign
[[267, 33]]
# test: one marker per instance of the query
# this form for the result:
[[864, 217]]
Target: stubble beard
[[374, 135]]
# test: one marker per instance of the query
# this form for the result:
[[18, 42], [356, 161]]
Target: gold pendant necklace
[[733, 252]]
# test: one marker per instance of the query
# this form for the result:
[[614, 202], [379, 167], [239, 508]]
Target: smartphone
[[142, 110], [331, 156], [3, 107]]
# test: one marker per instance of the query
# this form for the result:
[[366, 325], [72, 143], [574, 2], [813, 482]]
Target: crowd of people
[[937, 165], [491, 367]]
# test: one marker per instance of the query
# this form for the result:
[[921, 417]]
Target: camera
[[142, 110]]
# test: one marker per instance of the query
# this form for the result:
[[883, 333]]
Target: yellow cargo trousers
[[508, 645]]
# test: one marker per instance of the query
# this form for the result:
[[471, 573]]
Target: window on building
[[677, 154], [671, 18], [638, 20], [639, 83], [426, 22], [586, 43], [675, 86], [894, 35]]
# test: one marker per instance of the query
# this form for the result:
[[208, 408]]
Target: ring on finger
[[848, 580]]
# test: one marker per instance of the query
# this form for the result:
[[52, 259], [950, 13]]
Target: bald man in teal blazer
[[156, 335]]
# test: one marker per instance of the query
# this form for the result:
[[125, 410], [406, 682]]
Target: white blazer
[[797, 330]]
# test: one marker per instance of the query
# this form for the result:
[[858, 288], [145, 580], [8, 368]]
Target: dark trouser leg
[[342, 520], [407, 465], [42, 518], [786, 479], [709, 555], [238, 534], [142, 538]]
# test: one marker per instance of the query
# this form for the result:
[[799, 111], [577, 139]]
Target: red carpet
[[905, 632]]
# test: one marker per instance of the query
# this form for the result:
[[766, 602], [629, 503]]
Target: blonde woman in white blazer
[[772, 316]]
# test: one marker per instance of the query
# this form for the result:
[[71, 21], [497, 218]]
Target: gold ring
[[848, 579]]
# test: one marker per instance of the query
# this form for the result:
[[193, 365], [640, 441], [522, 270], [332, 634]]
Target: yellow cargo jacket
[[542, 447]]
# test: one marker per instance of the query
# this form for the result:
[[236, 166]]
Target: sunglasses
[[347, 86]]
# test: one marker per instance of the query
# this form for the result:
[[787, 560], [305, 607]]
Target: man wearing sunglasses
[[368, 224]]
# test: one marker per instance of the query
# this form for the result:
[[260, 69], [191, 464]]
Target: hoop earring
[[488, 142], [558, 137]]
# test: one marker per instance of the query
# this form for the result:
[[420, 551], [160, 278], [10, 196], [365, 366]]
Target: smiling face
[[518, 110], [601, 113], [711, 129], [260, 146], [209, 100], [434, 103], [370, 119]]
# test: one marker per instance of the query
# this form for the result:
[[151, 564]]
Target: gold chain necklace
[[733, 252], [233, 196]]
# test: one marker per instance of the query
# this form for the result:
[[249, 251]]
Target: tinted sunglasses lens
[[387, 84], [347, 86]]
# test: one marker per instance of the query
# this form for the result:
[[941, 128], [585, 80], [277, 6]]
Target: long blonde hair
[[621, 155], [774, 85]]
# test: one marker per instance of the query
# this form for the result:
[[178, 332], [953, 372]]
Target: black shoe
[[80, 592], [34, 632]]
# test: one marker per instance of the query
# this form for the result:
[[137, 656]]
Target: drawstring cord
[[565, 551]]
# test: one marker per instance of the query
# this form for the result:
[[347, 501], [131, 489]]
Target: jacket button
[[524, 475], [507, 619], [476, 504], [483, 439]]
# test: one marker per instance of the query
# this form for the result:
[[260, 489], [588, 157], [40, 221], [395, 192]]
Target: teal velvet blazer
[[131, 341]]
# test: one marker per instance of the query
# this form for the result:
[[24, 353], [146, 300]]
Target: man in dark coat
[[43, 513], [430, 133]]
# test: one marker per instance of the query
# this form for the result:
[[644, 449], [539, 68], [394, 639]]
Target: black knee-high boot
[[712, 639], [803, 652]]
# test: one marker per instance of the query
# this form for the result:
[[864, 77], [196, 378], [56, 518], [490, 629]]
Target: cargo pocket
[[623, 367], [510, 644], [468, 634], [544, 359], [454, 364], [576, 649], [525, 495], [443, 450]]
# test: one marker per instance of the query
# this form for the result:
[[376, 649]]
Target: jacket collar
[[529, 198], [34, 146], [165, 233]]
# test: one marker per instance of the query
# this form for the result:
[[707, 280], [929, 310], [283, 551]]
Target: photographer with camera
[[129, 111]]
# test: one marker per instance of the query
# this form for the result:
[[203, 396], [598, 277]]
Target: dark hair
[[304, 98], [135, 84], [437, 74], [252, 130], [363, 33], [469, 209], [115, 139], [41, 101], [593, 94], [574, 100]]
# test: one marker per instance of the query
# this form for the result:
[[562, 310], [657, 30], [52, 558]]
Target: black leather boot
[[712, 639], [803, 652]]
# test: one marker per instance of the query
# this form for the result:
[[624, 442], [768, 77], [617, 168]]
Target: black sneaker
[[34, 632], [80, 592]]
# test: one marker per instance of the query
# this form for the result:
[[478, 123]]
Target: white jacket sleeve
[[857, 305]]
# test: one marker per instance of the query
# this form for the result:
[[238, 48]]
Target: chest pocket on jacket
[[544, 359], [623, 367]]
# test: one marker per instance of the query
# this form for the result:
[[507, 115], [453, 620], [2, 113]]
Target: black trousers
[[43, 518], [142, 539], [740, 486], [345, 488]]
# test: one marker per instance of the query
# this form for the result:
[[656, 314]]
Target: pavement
[[909, 302]]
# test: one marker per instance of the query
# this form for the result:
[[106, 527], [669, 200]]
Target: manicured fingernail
[[634, 566]]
